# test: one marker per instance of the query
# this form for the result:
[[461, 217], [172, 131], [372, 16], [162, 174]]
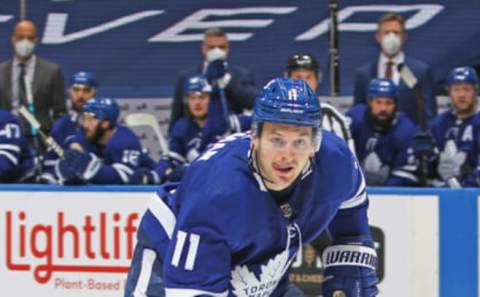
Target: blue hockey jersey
[[124, 160], [221, 233], [187, 139], [393, 147], [64, 128], [18, 161], [466, 135]]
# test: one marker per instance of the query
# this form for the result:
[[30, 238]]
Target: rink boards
[[77, 241]]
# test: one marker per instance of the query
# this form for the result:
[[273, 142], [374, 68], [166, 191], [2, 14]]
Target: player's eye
[[277, 142], [300, 144]]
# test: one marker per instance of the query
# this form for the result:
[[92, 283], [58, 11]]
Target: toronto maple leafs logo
[[246, 284]]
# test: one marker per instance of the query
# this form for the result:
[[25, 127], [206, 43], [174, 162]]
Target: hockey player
[[83, 86], [103, 152], [247, 205], [456, 132], [383, 138], [204, 124], [18, 162], [305, 66]]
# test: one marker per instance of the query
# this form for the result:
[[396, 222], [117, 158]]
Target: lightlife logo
[[87, 243]]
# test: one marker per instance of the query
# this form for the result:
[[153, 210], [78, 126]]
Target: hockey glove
[[150, 177], [177, 173], [350, 268], [451, 161], [376, 173], [85, 165], [64, 171], [216, 70]]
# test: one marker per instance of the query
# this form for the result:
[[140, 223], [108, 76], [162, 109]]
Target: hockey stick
[[334, 52], [35, 124], [31, 108], [148, 119], [412, 83]]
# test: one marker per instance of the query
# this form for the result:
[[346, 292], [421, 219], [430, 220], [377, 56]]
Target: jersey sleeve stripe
[[10, 157], [176, 156], [404, 174], [148, 258], [50, 162], [10, 147], [124, 172], [163, 214], [49, 177], [358, 198], [192, 293]]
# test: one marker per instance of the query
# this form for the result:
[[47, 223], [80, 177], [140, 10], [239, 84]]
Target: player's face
[[308, 76], [79, 94], [282, 152], [91, 126], [464, 98], [212, 42], [198, 104], [382, 108]]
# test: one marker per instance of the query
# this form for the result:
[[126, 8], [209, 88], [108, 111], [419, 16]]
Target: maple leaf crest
[[246, 284]]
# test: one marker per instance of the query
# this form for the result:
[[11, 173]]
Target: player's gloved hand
[[352, 275], [451, 161], [47, 178], [64, 170], [177, 173], [376, 173], [85, 165], [216, 70], [423, 144], [150, 177]]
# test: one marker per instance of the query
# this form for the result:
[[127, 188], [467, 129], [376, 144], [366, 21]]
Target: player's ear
[[254, 139], [105, 125]]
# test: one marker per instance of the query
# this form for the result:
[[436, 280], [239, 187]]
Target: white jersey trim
[[148, 258], [123, 171], [192, 293], [404, 174], [358, 198], [163, 214], [10, 147], [10, 157]]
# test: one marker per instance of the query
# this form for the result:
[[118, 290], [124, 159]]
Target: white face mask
[[391, 44], [216, 54], [24, 48]]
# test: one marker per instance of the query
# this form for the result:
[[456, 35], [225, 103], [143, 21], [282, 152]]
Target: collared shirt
[[382, 66], [30, 71]]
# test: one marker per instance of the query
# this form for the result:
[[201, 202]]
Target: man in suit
[[238, 83], [391, 36], [25, 72]]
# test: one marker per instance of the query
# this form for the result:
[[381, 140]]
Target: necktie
[[389, 70], [22, 93]]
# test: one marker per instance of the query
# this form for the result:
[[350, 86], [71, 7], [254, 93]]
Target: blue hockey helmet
[[103, 109], [286, 101], [84, 78], [462, 75], [381, 87], [197, 83]]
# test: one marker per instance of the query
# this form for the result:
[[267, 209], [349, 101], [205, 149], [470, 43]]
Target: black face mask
[[381, 125]]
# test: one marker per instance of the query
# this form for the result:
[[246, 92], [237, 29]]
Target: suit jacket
[[241, 91], [48, 89], [407, 101]]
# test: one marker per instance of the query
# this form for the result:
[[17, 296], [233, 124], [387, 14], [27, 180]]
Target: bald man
[[27, 69]]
